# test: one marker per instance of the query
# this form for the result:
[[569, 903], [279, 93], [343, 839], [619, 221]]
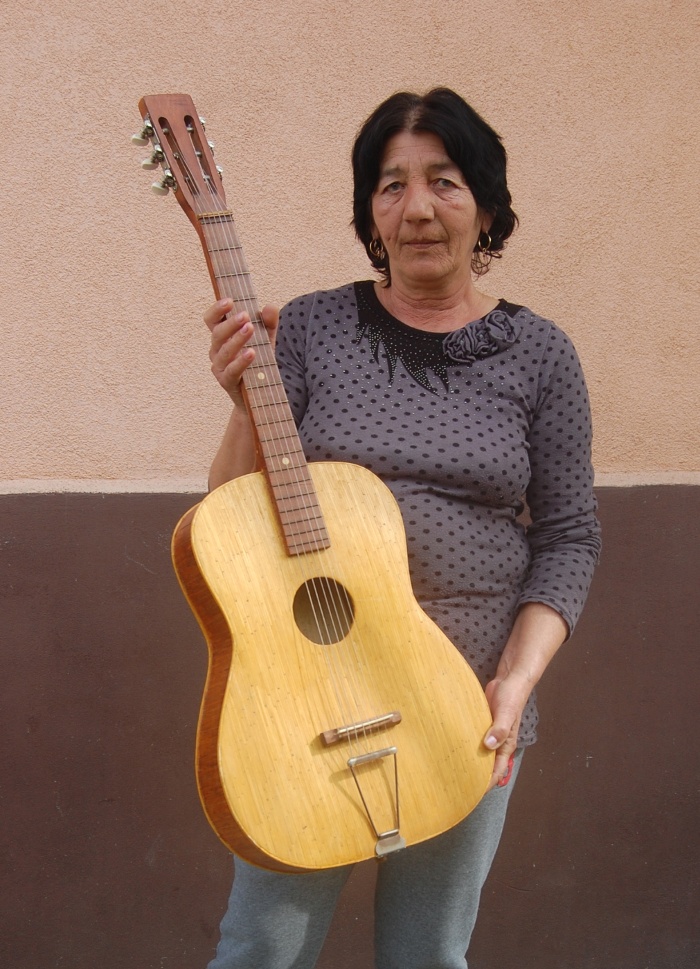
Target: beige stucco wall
[[104, 373]]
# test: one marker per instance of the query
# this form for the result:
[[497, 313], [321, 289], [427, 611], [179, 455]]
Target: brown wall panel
[[106, 854]]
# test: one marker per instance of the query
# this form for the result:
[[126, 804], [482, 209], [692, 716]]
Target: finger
[[506, 700], [502, 770], [498, 734], [232, 358], [217, 312], [270, 316], [506, 719], [229, 354], [507, 773], [228, 339]]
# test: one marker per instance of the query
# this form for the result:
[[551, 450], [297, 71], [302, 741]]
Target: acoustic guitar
[[338, 722]]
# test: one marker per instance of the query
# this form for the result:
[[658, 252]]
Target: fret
[[271, 376], [266, 404], [234, 282], [310, 522], [282, 457], [288, 476], [310, 545], [282, 445], [312, 539], [224, 262], [269, 402], [248, 300], [305, 521], [296, 493], [274, 422], [264, 364], [223, 237], [301, 471], [308, 536], [281, 464], [293, 506]]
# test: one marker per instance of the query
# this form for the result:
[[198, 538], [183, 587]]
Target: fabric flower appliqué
[[482, 338]]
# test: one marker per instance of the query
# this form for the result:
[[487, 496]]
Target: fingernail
[[506, 777], [491, 742]]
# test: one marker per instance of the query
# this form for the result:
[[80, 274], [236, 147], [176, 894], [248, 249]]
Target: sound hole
[[323, 610]]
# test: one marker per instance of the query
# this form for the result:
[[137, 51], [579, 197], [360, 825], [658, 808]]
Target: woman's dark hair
[[469, 142]]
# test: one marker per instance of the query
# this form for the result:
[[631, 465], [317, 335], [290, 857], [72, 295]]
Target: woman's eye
[[445, 183], [392, 188]]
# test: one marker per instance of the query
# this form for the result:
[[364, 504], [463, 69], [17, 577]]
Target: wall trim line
[[195, 486], [198, 486], [633, 479]]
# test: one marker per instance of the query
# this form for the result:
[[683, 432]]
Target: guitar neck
[[279, 447], [179, 143]]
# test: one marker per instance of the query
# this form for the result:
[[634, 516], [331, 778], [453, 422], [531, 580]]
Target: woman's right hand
[[230, 333]]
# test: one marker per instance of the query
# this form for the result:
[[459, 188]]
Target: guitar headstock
[[175, 132]]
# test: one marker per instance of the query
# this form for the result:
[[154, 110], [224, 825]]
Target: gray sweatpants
[[426, 902]]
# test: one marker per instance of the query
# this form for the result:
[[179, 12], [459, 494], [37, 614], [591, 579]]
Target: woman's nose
[[418, 202]]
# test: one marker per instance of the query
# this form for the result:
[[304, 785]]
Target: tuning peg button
[[167, 182], [154, 161], [143, 137]]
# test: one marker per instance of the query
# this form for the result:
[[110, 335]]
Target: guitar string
[[326, 607], [272, 404], [323, 606]]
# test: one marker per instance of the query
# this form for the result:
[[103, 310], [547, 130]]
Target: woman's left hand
[[507, 699], [537, 634]]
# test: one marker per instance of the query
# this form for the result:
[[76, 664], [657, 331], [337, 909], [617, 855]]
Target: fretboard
[[281, 452]]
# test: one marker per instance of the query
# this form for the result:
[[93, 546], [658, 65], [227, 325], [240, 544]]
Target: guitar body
[[280, 677]]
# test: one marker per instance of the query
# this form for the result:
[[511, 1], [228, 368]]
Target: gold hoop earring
[[480, 245], [377, 249]]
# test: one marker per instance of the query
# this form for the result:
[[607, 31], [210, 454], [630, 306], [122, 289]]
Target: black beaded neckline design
[[420, 351]]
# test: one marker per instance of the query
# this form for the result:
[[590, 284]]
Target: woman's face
[[425, 214]]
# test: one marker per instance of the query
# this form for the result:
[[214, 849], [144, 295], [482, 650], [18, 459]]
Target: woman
[[464, 405]]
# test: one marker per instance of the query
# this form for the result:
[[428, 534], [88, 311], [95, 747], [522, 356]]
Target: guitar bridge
[[354, 731]]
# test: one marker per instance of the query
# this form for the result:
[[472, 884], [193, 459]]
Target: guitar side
[[275, 793]]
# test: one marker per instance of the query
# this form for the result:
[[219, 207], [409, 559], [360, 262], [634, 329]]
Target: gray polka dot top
[[484, 437]]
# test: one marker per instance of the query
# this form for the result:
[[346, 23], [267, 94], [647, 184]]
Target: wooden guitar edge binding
[[220, 646]]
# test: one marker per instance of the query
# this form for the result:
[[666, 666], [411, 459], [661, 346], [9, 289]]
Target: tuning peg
[[220, 171], [167, 182], [143, 136], [203, 122], [154, 161], [212, 146]]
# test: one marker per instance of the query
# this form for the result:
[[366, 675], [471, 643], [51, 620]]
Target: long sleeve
[[564, 536]]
